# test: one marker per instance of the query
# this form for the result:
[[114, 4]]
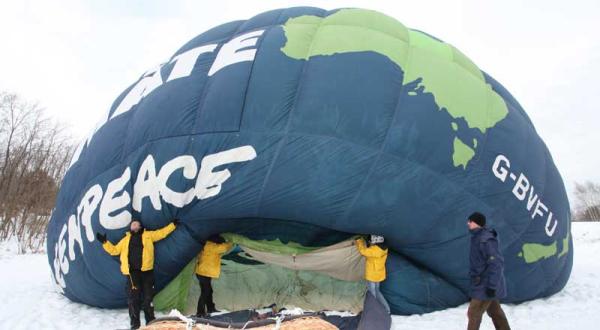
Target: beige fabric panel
[[313, 323], [341, 261]]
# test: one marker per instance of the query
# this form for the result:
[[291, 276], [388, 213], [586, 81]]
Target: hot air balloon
[[291, 133]]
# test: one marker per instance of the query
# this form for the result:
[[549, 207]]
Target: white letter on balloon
[[233, 51], [149, 82], [146, 185], [184, 63], [111, 203], [209, 183], [188, 164]]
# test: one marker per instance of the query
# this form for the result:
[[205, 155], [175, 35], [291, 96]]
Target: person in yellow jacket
[[376, 254], [207, 268], [136, 251]]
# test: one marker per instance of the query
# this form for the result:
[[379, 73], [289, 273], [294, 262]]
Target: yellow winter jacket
[[375, 261], [209, 259], [148, 239]]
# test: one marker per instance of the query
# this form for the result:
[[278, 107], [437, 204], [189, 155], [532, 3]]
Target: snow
[[30, 300]]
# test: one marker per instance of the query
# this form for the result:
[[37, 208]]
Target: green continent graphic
[[462, 153], [454, 81], [565, 245], [534, 252]]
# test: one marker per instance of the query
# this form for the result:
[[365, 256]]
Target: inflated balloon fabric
[[310, 126]]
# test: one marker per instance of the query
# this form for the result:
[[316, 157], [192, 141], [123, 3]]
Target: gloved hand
[[176, 221], [491, 293], [101, 237]]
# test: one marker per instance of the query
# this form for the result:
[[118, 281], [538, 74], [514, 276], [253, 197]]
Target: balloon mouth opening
[[287, 263], [290, 232]]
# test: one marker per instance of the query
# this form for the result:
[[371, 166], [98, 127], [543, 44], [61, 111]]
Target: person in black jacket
[[487, 275]]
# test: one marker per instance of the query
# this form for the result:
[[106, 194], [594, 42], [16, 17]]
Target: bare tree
[[587, 201], [35, 153]]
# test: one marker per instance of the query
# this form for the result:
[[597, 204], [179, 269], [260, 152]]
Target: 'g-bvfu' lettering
[[523, 190]]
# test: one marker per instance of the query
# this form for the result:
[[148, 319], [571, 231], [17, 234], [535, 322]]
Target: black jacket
[[135, 251]]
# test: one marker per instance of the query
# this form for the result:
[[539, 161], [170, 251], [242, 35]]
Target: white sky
[[75, 57]]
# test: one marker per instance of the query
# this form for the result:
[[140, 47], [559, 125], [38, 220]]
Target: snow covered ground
[[28, 299]]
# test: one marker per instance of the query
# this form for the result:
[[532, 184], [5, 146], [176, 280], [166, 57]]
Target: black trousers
[[205, 303], [140, 292]]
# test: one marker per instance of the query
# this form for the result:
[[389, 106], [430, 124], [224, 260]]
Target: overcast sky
[[75, 57]]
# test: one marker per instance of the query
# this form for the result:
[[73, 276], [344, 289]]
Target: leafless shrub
[[587, 201]]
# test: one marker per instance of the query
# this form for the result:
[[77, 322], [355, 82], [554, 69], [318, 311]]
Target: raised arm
[[157, 235], [361, 245], [222, 248], [113, 250]]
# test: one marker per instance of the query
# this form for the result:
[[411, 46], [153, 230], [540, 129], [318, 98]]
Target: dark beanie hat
[[216, 239], [478, 218]]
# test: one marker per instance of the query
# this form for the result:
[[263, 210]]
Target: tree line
[[35, 153]]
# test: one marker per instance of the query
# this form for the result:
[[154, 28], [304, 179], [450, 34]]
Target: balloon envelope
[[311, 126]]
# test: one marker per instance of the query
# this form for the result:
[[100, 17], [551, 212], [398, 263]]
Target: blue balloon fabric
[[310, 126]]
